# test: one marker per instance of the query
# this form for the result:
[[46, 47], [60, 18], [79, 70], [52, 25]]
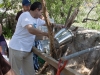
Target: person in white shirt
[[20, 55]]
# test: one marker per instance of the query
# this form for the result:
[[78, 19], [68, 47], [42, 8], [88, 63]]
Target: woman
[[3, 44], [5, 68]]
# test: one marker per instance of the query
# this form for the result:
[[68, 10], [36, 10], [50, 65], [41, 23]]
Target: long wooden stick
[[69, 12], [54, 63], [71, 19], [50, 30]]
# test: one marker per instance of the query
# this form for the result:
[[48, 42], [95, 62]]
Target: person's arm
[[35, 31], [5, 66], [0, 29], [10, 72], [27, 22]]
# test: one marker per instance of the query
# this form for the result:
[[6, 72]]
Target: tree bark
[[50, 32]]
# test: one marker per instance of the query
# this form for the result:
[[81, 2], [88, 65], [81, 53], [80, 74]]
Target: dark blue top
[[2, 38]]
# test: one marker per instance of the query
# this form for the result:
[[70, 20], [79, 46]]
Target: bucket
[[64, 36], [45, 45]]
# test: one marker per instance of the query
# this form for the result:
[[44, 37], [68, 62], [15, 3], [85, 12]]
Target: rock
[[82, 40]]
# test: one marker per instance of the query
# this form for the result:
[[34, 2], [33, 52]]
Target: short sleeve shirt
[[22, 40]]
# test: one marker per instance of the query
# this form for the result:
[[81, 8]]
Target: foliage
[[9, 8], [7, 32], [94, 14], [58, 9]]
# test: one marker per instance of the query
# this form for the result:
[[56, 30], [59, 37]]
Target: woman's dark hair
[[36, 5]]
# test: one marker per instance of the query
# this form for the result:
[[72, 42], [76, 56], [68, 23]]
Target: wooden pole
[[54, 63], [50, 30]]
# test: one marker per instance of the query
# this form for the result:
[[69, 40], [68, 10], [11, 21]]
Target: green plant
[[7, 32]]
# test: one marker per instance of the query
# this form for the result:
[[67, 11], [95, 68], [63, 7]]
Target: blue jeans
[[36, 64], [35, 57]]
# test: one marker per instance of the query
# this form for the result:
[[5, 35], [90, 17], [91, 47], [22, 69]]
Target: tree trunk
[[99, 1], [50, 32]]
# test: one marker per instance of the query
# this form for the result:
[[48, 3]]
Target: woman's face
[[26, 8]]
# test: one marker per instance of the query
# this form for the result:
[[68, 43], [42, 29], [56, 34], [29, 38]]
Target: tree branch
[[71, 19], [69, 12], [85, 20], [12, 3], [90, 11]]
